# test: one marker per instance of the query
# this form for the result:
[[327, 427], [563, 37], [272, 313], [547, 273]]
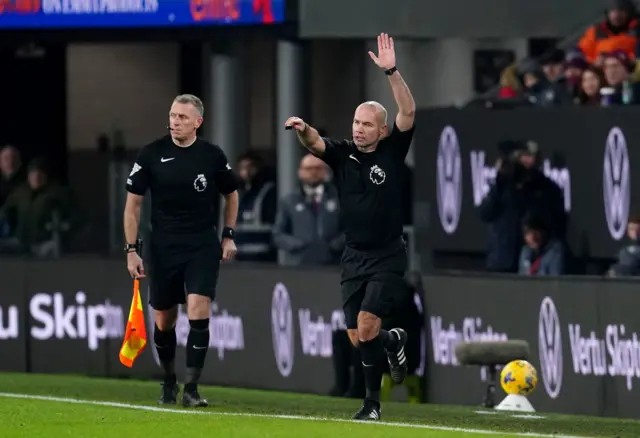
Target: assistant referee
[[368, 173], [183, 174]]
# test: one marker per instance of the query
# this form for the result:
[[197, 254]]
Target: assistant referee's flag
[[135, 336]]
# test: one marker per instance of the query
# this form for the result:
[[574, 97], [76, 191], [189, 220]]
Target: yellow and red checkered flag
[[135, 336]]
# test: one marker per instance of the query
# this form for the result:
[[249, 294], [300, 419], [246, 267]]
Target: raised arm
[[308, 136], [386, 60]]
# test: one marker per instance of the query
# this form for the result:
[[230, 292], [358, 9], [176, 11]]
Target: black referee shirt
[[183, 183], [370, 188]]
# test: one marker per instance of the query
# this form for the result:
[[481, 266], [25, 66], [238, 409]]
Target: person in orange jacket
[[618, 31]]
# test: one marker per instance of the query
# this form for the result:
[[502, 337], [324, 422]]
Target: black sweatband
[[391, 71], [228, 233]]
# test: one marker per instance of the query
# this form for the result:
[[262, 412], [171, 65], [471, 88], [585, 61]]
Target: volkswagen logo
[[449, 180], [282, 329], [616, 183], [550, 347]]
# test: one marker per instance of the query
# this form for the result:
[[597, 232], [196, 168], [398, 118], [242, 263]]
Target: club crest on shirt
[[200, 183], [377, 175]]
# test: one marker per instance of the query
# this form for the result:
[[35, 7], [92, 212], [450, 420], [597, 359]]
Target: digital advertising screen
[[70, 14]]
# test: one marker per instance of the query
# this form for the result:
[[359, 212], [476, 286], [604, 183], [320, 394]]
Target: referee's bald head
[[369, 124], [379, 110]]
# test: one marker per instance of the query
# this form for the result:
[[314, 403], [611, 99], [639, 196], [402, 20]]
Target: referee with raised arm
[[368, 173], [183, 174]]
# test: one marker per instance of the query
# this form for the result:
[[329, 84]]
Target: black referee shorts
[[176, 271], [373, 281]]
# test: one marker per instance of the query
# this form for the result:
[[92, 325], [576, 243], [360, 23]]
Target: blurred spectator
[[575, 65], [307, 227], [256, 211], [619, 89], [11, 171], [542, 254], [552, 64], [11, 177], [538, 89], [628, 263], [45, 213], [590, 84], [520, 188], [616, 32], [510, 86]]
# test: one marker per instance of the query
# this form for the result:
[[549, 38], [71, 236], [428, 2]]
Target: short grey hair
[[379, 108], [191, 99]]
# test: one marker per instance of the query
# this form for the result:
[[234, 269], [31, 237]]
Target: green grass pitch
[[34, 405]]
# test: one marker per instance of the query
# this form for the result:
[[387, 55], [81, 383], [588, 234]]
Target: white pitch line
[[282, 417]]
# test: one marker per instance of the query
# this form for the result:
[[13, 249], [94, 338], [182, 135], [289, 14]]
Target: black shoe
[[368, 412], [397, 359], [192, 399], [169, 393]]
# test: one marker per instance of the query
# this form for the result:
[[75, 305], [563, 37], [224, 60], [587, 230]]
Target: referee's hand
[[229, 250], [134, 265]]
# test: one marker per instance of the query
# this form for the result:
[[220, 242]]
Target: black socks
[[389, 340], [372, 352], [197, 346], [166, 347]]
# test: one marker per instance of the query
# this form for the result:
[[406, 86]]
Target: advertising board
[[70, 14], [586, 152]]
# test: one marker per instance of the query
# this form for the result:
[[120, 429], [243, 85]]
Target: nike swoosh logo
[[195, 347], [164, 160], [353, 158], [365, 365]]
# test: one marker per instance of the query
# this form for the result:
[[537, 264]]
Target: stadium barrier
[[586, 151], [582, 333], [69, 316]]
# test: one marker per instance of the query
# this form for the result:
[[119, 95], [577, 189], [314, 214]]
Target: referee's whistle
[[288, 128]]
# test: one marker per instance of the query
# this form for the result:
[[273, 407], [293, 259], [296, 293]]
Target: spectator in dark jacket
[[257, 207], [307, 227], [12, 173], [628, 263], [12, 176], [520, 188], [539, 89], [46, 212], [542, 254]]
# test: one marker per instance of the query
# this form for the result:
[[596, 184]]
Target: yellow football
[[519, 377]]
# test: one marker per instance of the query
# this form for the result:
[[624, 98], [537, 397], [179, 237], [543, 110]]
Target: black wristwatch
[[133, 247], [228, 233], [391, 71]]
